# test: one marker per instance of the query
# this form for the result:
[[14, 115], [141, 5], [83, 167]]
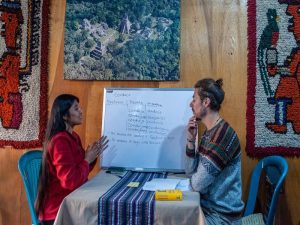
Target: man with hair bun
[[214, 164]]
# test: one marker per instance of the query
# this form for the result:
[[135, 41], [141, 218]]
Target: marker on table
[[118, 171], [138, 169]]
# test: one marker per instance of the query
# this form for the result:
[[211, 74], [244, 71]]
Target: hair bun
[[219, 83]]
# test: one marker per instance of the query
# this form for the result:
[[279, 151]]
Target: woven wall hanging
[[23, 72], [273, 96]]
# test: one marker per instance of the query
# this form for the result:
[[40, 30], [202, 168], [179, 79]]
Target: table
[[81, 206]]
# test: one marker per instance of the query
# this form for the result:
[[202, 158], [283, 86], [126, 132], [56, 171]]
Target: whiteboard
[[146, 128]]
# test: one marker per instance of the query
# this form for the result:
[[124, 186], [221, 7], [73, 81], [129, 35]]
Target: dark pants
[[47, 222]]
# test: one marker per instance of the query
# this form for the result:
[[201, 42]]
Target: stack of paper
[[184, 185], [167, 184]]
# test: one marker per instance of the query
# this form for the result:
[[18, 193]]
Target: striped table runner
[[126, 205]]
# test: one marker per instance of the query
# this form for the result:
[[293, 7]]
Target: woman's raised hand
[[102, 144], [96, 149]]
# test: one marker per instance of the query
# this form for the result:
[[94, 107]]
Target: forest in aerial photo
[[122, 40]]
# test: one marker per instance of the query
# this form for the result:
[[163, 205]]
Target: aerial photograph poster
[[122, 40]]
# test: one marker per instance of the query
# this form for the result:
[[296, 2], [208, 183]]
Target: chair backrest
[[272, 164], [29, 166]]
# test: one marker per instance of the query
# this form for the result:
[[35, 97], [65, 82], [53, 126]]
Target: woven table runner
[[127, 205]]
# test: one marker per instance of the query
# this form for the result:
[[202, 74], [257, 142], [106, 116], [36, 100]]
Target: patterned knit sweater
[[215, 170]]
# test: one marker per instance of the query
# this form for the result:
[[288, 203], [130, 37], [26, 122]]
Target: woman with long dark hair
[[65, 165]]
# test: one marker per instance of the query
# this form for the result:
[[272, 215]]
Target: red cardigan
[[67, 171]]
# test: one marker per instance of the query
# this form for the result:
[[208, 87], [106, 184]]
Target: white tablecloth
[[81, 206]]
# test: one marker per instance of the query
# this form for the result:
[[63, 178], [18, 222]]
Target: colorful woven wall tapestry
[[23, 72], [273, 96]]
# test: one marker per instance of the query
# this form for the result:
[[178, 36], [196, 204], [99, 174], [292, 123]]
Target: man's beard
[[203, 113]]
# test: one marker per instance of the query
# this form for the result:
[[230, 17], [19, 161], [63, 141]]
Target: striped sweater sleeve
[[214, 155]]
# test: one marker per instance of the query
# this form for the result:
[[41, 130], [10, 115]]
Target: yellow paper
[[133, 184]]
